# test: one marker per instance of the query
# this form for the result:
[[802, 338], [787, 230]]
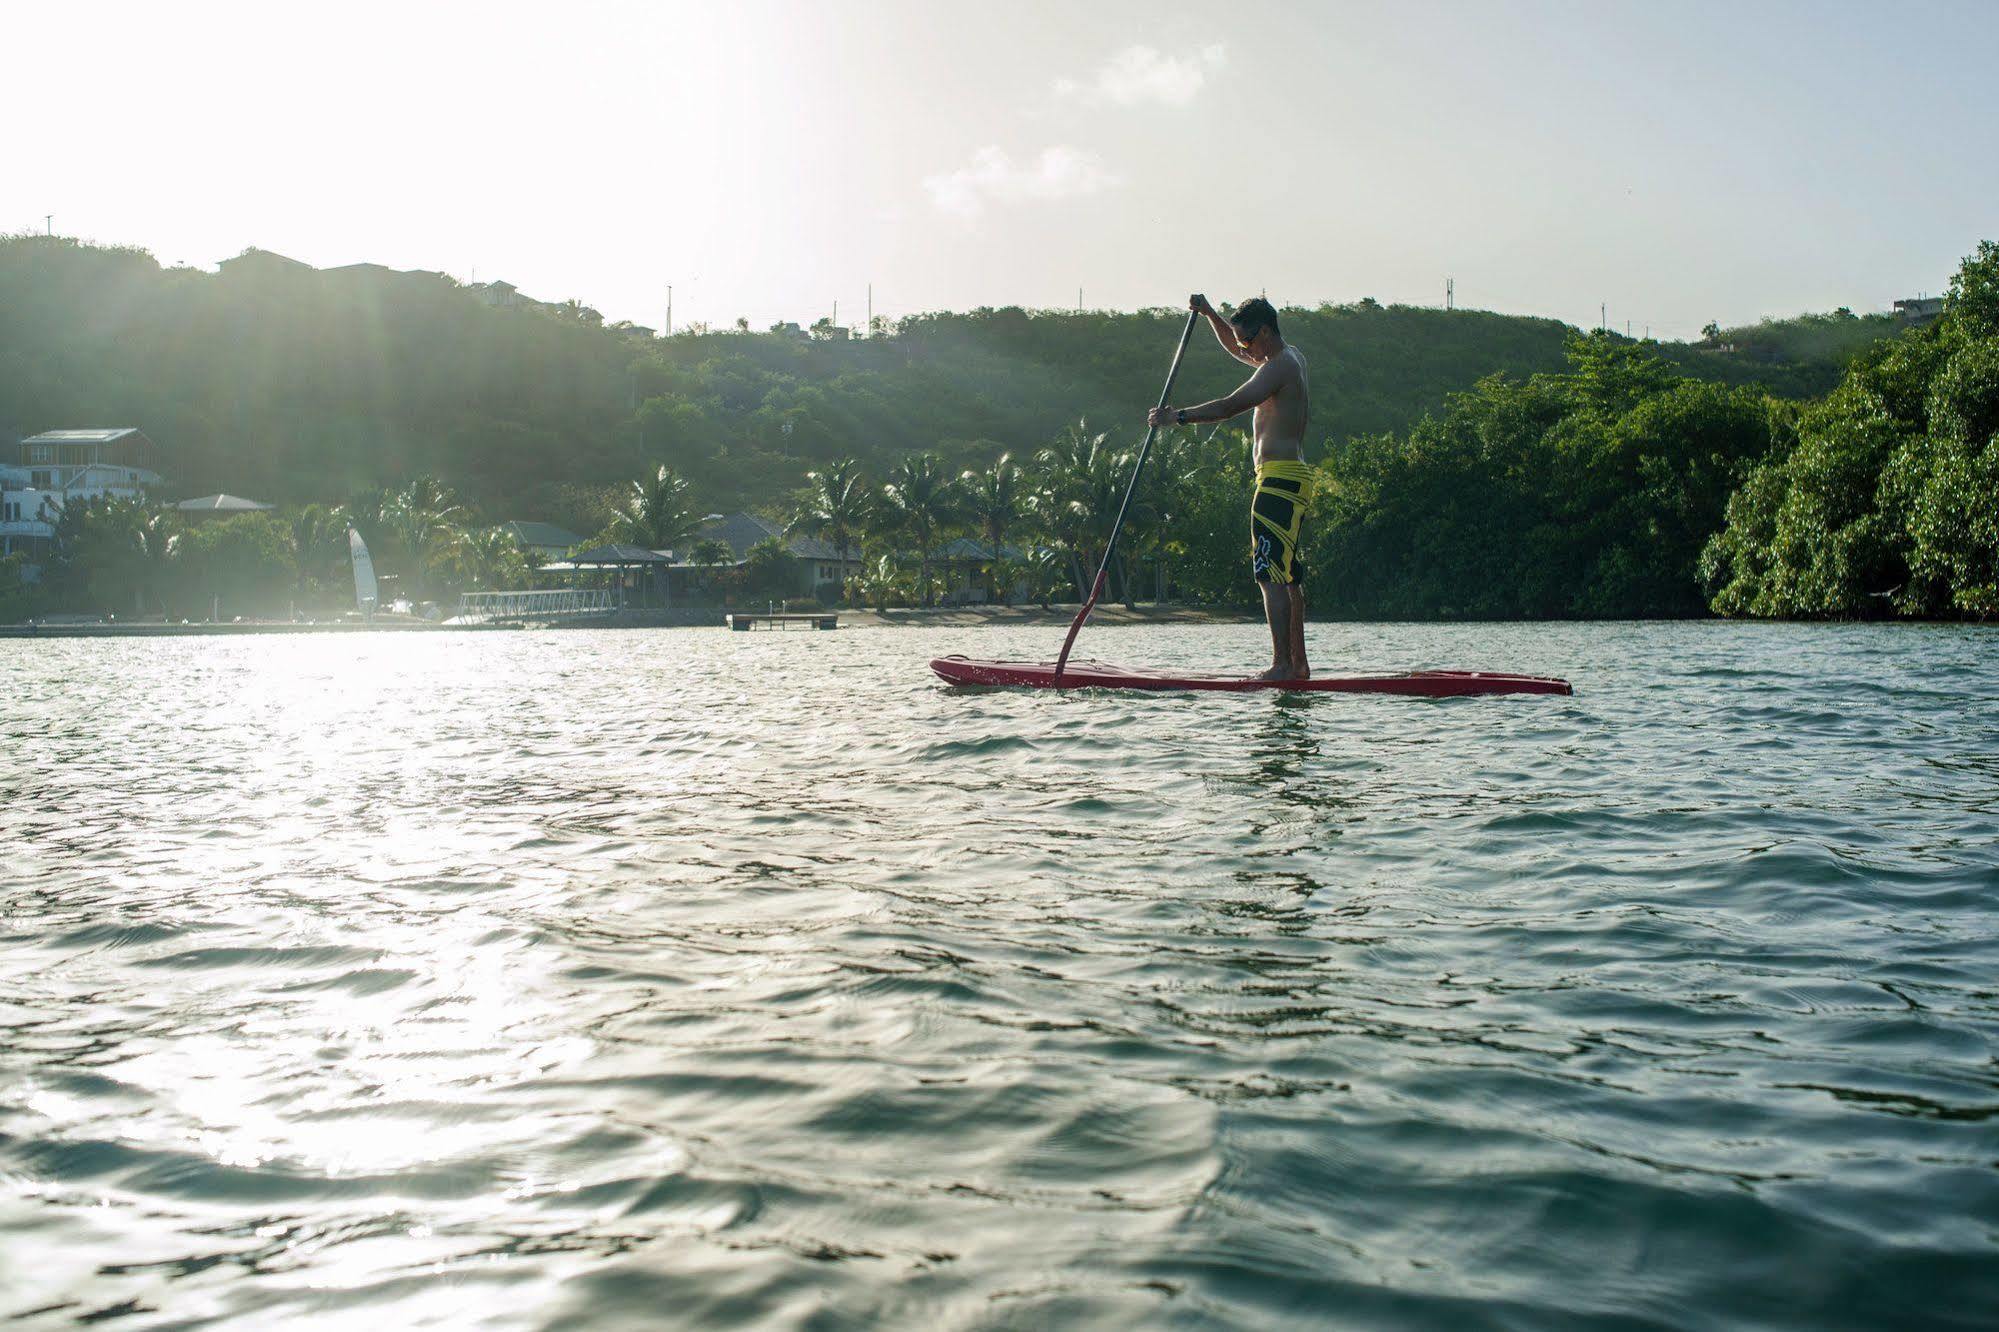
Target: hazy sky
[[1681, 162]]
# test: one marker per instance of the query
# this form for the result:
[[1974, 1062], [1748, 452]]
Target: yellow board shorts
[[1276, 512]]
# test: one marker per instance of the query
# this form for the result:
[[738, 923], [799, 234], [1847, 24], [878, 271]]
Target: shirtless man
[[1278, 391]]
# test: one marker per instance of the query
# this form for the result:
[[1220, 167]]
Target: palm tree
[[424, 516], [155, 537], [1042, 569], [364, 511], [106, 546], [835, 507], [490, 559], [316, 536], [919, 502], [1171, 469], [1078, 495], [712, 555], [994, 501], [879, 581], [656, 514]]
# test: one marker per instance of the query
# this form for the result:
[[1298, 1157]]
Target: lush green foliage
[[1821, 340], [1890, 499], [296, 386], [126, 558], [1578, 475], [1577, 494]]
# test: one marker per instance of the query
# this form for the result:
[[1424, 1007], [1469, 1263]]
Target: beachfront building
[[822, 571], [637, 576], [60, 467]]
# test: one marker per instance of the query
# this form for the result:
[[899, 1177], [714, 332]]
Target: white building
[[58, 466], [1919, 309]]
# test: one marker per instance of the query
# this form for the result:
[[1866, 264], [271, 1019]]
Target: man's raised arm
[[1224, 330], [1269, 377]]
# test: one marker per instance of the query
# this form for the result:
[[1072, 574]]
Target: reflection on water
[[538, 979]]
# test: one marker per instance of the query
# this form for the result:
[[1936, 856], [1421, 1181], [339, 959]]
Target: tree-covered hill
[[293, 385], [1810, 339]]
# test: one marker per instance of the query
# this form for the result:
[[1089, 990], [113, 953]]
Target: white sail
[[364, 572]]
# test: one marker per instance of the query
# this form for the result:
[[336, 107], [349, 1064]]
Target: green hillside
[[294, 385]]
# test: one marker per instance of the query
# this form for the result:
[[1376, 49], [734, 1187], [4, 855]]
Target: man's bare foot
[[1281, 671]]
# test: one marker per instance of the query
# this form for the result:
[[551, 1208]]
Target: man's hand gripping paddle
[[1110, 547]]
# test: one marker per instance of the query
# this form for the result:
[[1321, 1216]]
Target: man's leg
[[1277, 610]]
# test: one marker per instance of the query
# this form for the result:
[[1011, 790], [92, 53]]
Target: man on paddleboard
[[1279, 392]]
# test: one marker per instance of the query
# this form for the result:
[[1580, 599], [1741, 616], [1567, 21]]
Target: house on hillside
[[506, 296], [254, 261], [365, 272], [59, 467], [502, 295], [1919, 309], [27, 517]]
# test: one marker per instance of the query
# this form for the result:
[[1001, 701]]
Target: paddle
[[1110, 547]]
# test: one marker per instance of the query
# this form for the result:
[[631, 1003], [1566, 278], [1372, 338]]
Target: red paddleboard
[[1100, 675]]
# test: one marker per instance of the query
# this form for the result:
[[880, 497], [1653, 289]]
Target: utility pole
[[836, 314], [1603, 316], [871, 310], [1450, 293], [669, 309], [1079, 300], [48, 224]]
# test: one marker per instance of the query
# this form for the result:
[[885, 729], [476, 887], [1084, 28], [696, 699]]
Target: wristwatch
[[1180, 416]]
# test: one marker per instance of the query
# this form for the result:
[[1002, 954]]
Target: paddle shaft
[[1110, 547]]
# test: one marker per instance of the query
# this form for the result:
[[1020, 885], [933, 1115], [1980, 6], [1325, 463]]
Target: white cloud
[[1140, 74], [992, 176]]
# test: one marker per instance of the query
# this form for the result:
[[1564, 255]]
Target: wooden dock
[[745, 623]]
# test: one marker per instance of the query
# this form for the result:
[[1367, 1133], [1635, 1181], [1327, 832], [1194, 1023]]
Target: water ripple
[[551, 980]]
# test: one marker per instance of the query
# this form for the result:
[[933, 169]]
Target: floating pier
[[543, 606], [745, 623]]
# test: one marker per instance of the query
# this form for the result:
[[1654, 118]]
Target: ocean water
[[667, 978]]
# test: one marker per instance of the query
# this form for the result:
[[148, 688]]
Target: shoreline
[[960, 617], [941, 617]]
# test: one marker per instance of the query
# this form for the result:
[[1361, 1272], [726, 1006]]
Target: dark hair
[[1254, 315]]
